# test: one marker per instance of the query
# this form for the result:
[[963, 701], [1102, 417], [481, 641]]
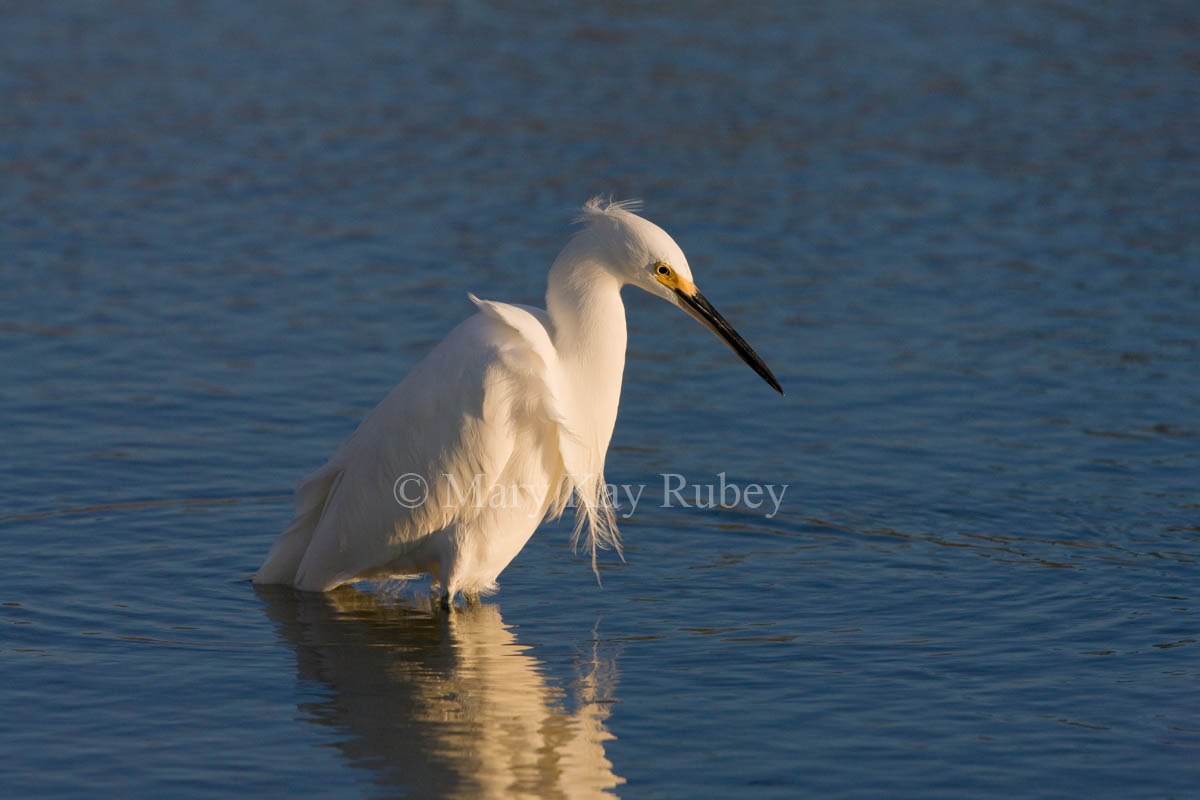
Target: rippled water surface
[[963, 235]]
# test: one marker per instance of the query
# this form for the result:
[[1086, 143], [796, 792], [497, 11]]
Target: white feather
[[516, 403]]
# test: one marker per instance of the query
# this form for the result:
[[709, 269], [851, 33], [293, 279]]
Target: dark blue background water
[[963, 235]]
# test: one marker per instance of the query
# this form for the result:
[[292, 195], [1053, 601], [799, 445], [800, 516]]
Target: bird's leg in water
[[445, 601], [472, 600]]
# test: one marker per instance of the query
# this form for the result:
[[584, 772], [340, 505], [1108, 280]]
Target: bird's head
[[643, 254]]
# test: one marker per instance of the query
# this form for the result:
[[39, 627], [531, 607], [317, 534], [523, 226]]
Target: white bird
[[496, 429]]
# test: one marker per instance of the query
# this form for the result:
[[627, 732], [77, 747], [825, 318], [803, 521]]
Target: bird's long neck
[[583, 300]]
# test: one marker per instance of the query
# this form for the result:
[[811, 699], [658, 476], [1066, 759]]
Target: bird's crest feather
[[600, 206]]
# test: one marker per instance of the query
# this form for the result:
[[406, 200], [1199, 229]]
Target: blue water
[[964, 236]]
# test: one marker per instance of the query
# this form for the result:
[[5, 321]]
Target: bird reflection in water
[[442, 704]]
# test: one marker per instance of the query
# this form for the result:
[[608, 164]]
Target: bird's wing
[[583, 462], [530, 353], [453, 418]]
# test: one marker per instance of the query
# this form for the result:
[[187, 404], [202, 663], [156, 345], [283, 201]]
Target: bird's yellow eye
[[662, 269]]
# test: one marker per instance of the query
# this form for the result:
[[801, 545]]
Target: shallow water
[[963, 237]]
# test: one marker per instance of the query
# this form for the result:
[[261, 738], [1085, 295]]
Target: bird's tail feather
[[283, 561]]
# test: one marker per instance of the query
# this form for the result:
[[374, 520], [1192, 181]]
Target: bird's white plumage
[[468, 409], [504, 421]]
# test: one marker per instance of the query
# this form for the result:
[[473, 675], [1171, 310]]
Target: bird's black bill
[[701, 310]]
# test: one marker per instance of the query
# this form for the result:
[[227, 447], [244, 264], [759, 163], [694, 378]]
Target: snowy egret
[[496, 429]]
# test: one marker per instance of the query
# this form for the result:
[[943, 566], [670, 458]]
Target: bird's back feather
[[485, 402]]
